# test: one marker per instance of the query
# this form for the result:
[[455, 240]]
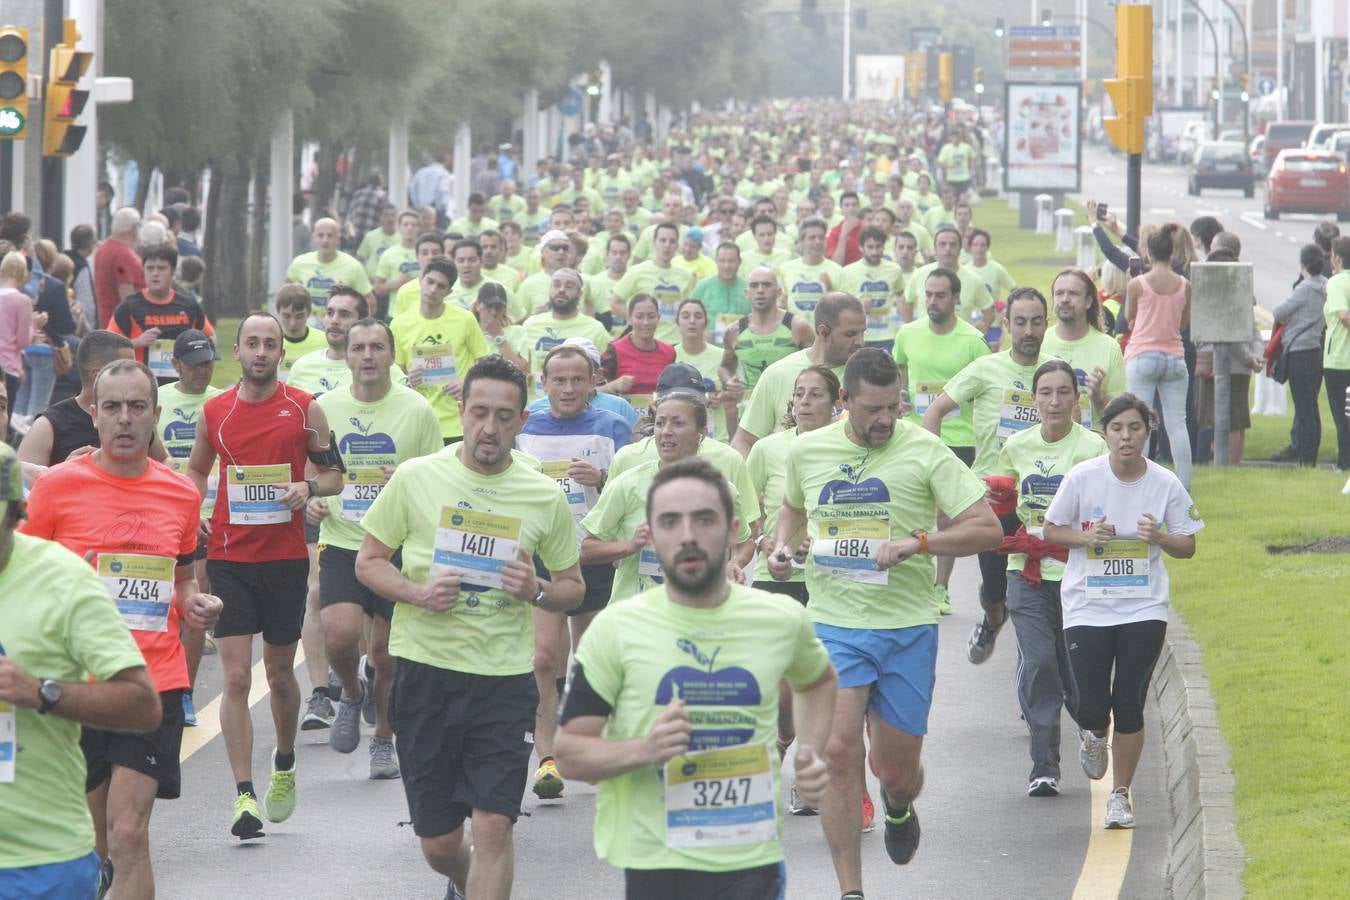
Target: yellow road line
[[208, 717], [1108, 852]]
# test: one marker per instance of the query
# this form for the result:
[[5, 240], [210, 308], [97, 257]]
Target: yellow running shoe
[[548, 784], [279, 802], [247, 820]]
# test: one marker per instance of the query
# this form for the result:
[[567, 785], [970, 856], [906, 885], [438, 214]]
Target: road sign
[[570, 104], [1043, 53], [1265, 87]]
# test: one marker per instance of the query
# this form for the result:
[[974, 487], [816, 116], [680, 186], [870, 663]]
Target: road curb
[[1205, 857]]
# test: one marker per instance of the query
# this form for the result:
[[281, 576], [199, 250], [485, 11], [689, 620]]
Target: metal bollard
[[1063, 229], [1085, 246], [1044, 218]]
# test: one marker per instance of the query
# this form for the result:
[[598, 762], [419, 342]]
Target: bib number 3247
[[721, 798]]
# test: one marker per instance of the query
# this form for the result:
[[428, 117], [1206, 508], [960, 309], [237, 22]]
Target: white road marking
[[1162, 211], [1255, 223]]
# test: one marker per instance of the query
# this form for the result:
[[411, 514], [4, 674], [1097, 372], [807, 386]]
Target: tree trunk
[[144, 168], [325, 180], [226, 289]]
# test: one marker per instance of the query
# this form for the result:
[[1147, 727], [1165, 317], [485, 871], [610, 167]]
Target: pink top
[[16, 329], [1157, 321]]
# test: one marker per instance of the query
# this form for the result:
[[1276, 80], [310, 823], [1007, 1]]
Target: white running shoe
[[1092, 755], [1118, 811]]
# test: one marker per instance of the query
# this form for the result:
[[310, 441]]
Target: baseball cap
[[492, 294], [681, 377], [694, 234], [554, 235], [193, 348], [586, 345]]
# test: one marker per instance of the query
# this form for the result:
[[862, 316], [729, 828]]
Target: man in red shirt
[[262, 431], [143, 554], [117, 267], [154, 317], [841, 244]]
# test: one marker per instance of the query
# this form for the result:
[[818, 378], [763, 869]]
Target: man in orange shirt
[[144, 555], [154, 316]]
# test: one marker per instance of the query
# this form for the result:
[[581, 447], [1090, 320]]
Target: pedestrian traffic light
[[13, 82], [1246, 87], [1000, 27], [1132, 89], [1047, 17], [945, 76], [1214, 89], [979, 80], [65, 101]]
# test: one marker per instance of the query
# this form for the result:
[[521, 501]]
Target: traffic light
[[1246, 87], [1214, 89], [64, 102], [1132, 89], [979, 80], [1000, 27], [13, 82], [1047, 16], [945, 76], [594, 80], [916, 65]]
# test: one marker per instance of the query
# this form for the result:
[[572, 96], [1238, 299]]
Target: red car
[[1308, 181], [1280, 135]]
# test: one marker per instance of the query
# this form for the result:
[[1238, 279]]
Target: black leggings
[[759, 883], [994, 566], [1338, 385], [1132, 650]]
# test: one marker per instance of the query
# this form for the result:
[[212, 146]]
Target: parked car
[[1323, 130], [1231, 134], [1280, 135], [1308, 181], [1221, 164], [1339, 143]]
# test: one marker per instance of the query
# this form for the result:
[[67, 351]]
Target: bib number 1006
[[259, 491], [721, 792]]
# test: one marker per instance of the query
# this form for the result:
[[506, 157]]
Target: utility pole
[[848, 49]]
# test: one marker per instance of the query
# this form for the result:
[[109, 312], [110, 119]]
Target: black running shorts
[[266, 597], [154, 754]]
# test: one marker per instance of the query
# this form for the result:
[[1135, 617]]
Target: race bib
[[721, 798], [649, 564], [925, 392], [847, 548], [475, 544], [1118, 570], [436, 363], [254, 494], [1085, 410], [9, 742], [141, 586], [579, 496], [159, 358], [1017, 413], [360, 487], [878, 326], [1036, 523]]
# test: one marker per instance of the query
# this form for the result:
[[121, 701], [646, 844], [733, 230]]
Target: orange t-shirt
[[83, 507]]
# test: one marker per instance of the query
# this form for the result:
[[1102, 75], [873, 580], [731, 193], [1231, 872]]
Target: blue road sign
[[570, 104], [1265, 86]]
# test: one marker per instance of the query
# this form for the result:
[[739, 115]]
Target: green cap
[[11, 474]]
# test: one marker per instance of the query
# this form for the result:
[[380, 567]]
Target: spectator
[[1302, 343], [18, 324], [1158, 307], [81, 251], [103, 199], [1203, 229], [118, 272], [191, 273], [1243, 359], [39, 372], [363, 213], [1336, 360]]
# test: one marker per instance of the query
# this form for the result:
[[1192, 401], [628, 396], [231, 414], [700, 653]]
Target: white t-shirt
[[1099, 593]]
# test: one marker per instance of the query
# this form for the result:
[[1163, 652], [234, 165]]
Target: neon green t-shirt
[[314, 339], [803, 284], [373, 245], [855, 497], [707, 364], [996, 278], [1337, 353], [177, 424], [922, 239], [753, 258], [876, 286], [471, 229], [720, 455], [767, 463], [1094, 350], [1000, 391], [544, 331], [725, 663], [487, 632], [724, 303], [397, 262], [407, 297], [505, 209], [930, 360], [975, 297], [442, 350], [59, 625], [318, 277], [599, 288], [642, 250], [956, 159], [464, 296], [1039, 467], [669, 286], [399, 426], [773, 392], [701, 266], [621, 509]]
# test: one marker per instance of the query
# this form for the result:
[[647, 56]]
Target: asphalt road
[[981, 833]]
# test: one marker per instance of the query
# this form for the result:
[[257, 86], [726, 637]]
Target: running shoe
[[365, 672], [869, 822], [346, 730], [1092, 755], [105, 878], [902, 832], [797, 806], [209, 646], [981, 643], [1118, 811], [383, 760], [279, 802], [318, 712], [548, 784], [334, 687], [247, 820], [1043, 786], [189, 711], [944, 599]]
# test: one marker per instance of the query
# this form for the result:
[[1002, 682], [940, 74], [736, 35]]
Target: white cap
[[555, 234], [587, 347]]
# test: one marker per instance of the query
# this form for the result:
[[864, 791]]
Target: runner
[[990, 270], [65, 426], [467, 256], [469, 518], [380, 425], [760, 339], [555, 249], [437, 341], [658, 278], [880, 285], [1118, 514], [633, 363], [723, 295], [67, 660], [600, 286], [1078, 339], [759, 247], [997, 388], [693, 348], [563, 320], [651, 727], [506, 340], [930, 352], [600, 400], [1038, 459], [808, 278], [294, 309], [977, 304], [398, 263], [145, 563], [840, 324], [262, 431], [152, 318], [326, 266], [575, 442], [870, 583], [408, 297]]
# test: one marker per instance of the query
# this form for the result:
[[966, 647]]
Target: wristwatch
[[538, 601], [313, 487], [499, 339], [50, 694]]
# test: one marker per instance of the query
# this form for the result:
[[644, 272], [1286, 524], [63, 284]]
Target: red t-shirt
[[244, 434], [84, 507], [852, 249], [624, 358], [114, 263]]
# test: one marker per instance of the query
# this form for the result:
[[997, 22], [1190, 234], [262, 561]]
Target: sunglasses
[[558, 247]]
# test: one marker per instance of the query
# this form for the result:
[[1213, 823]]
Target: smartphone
[[1101, 212]]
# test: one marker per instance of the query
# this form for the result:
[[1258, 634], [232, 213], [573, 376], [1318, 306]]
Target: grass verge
[[1272, 635]]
